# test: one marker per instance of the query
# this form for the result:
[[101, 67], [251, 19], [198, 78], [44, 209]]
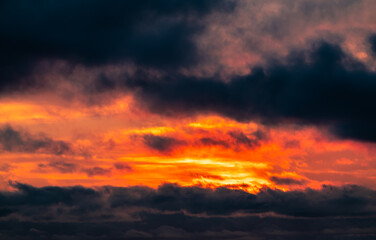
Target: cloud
[[322, 86], [331, 201], [97, 171], [122, 166], [286, 181], [60, 166], [173, 211], [235, 139], [12, 140], [242, 139], [372, 40], [258, 30], [160, 143], [207, 141], [68, 167], [146, 33]]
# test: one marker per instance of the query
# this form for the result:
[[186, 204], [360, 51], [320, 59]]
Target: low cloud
[[173, 211], [330, 201]]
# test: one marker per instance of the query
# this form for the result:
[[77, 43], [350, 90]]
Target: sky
[[197, 119]]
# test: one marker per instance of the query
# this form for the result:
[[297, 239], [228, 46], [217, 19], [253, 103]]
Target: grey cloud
[[173, 212], [161, 143], [60, 166], [322, 86], [331, 201], [286, 181], [69, 167], [12, 140], [147, 33]]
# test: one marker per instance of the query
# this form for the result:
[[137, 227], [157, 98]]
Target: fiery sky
[[160, 115]]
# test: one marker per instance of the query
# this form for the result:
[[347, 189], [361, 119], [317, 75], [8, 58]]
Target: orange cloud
[[205, 150]]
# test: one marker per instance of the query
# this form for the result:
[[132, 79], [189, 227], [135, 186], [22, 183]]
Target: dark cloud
[[246, 228], [148, 33], [207, 141], [172, 211], [97, 171], [160, 143], [12, 140], [61, 166], [68, 167], [286, 181], [231, 139], [331, 201], [235, 140], [372, 40], [242, 139], [29, 195], [122, 166], [323, 86]]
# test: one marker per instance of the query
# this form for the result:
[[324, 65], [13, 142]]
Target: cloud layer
[[230, 105], [185, 212]]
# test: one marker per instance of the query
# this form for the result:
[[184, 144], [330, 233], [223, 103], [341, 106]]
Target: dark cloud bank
[[157, 34], [323, 86], [175, 212]]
